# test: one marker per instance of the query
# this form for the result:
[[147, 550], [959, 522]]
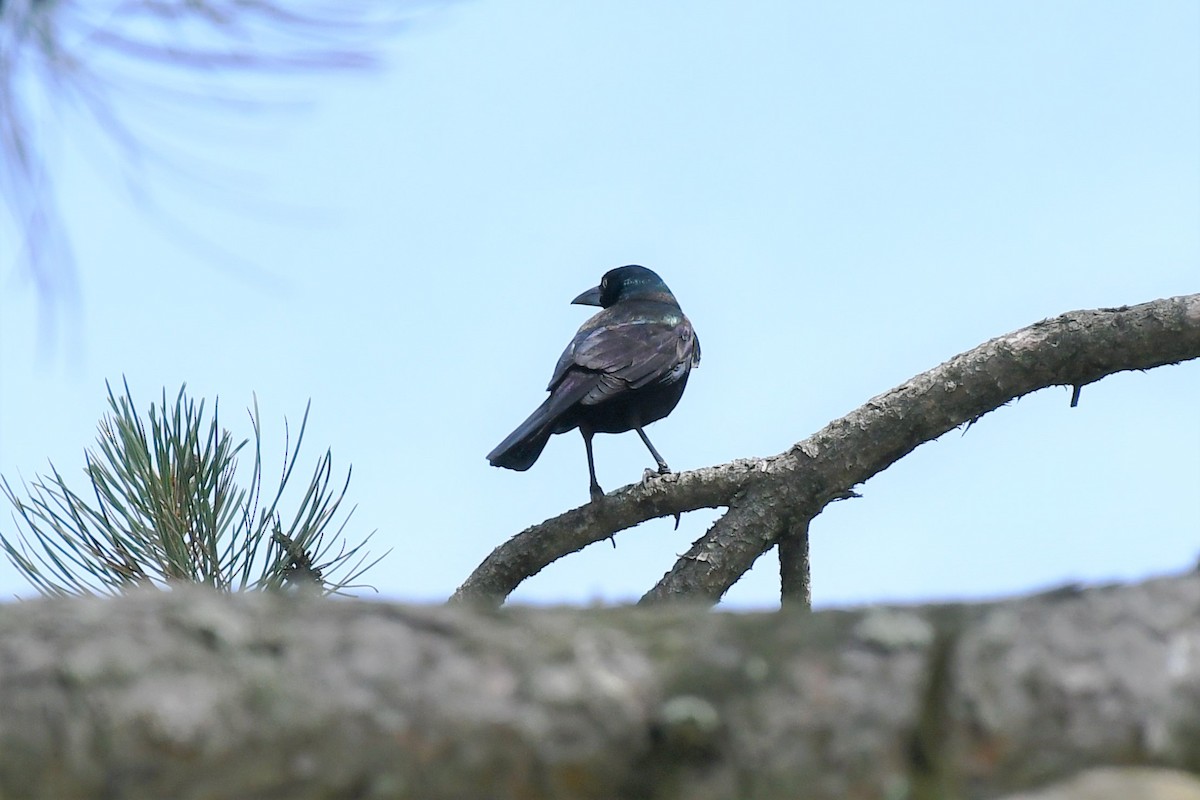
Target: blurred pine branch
[[127, 65]]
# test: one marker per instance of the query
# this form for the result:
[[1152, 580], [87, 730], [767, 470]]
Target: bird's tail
[[523, 446]]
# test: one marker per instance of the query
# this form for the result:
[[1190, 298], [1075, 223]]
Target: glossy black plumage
[[626, 367]]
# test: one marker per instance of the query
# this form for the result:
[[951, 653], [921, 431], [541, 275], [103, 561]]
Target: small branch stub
[[795, 572]]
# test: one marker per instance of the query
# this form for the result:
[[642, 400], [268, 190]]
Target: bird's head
[[626, 283]]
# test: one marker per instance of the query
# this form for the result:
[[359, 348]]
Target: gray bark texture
[[193, 695], [771, 500]]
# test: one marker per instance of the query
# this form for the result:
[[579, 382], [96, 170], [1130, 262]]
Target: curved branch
[[1074, 349], [536, 547], [721, 556]]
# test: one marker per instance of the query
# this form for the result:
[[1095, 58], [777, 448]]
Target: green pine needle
[[164, 507]]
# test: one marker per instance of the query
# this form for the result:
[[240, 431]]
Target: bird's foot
[[596, 492], [650, 474]]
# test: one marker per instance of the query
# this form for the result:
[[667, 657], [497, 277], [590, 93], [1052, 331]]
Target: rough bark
[[1121, 783], [770, 495], [795, 579], [193, 695]]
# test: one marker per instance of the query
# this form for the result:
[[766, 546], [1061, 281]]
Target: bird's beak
[[589, 298]]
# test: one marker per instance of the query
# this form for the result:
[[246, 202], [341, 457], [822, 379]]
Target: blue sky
[[840, 195]]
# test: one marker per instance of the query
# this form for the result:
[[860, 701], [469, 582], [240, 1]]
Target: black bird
[[626, 367]]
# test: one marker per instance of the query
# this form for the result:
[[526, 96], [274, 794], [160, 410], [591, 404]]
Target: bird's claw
[[650, 474], [596, 492]]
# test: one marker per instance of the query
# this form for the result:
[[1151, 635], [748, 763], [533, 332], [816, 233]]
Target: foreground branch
[[194, 694], [776, 493]]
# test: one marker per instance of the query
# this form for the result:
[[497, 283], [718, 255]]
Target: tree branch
[[730, 547], [1074, 349], [794, 571], [191, 693]]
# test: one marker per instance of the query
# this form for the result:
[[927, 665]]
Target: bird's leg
[[663, 469], [594, 487]]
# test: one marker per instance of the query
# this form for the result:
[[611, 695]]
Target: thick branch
[[194, 694], [1074, 349]]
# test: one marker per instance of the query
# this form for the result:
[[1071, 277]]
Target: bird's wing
[[623, 356]]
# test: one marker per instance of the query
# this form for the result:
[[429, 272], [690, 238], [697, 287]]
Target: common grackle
[[626, 367]]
